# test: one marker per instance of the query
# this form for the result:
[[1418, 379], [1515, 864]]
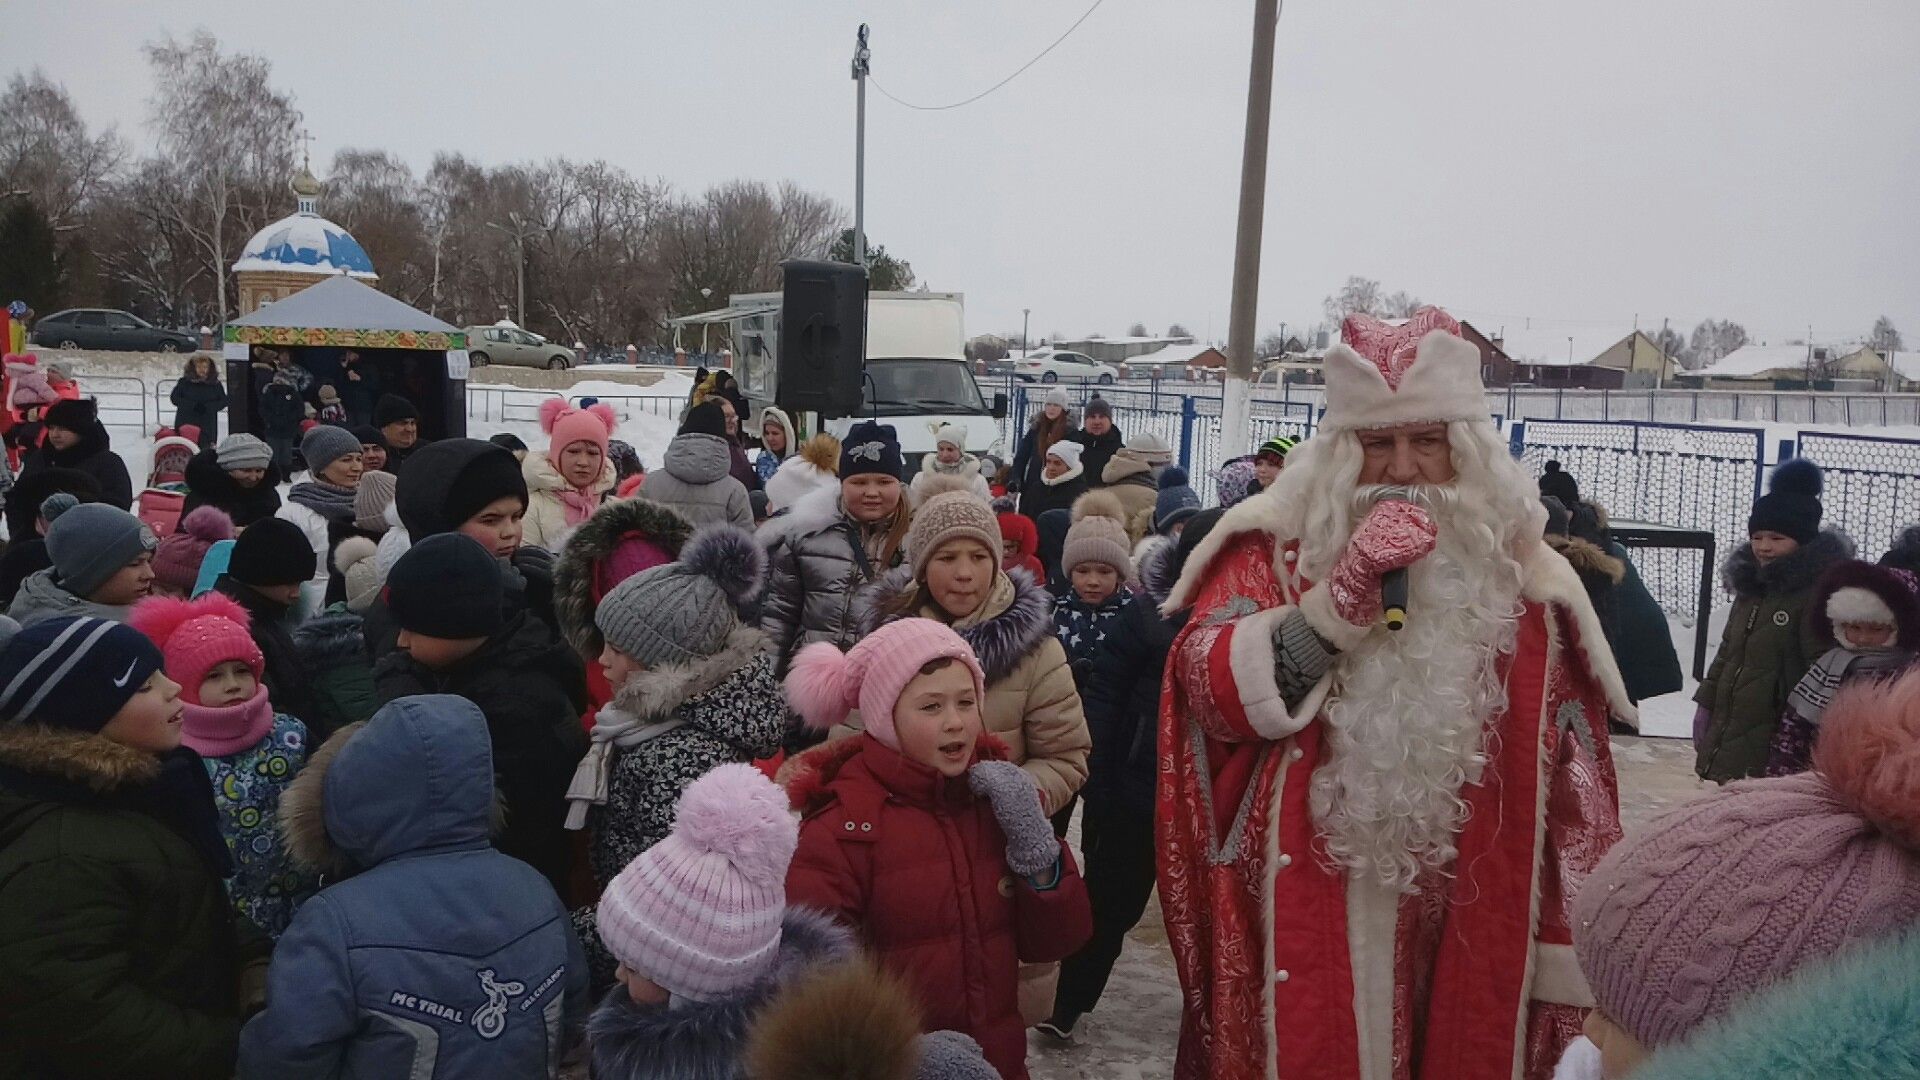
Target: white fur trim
[[1442, 384], [1373, 917], [1260, 513], [1250, 657], [1557, 979], [1854, 604], [1317, 606], [1550, 579], [1580, 1062]]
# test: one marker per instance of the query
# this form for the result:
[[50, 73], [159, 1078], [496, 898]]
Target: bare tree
[[1885, 339], [1713, 339], [218, 117], [1271, 345], [1178, 331], [1138, 329], [46, 152], [1359, 296], [1400, 305], [374, 195], [1669, 342]]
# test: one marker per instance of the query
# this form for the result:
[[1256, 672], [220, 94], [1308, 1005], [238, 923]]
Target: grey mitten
[[1032, 848], [950, 1055]]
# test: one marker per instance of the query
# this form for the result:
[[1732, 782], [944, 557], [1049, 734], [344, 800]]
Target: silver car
[[515, 347]]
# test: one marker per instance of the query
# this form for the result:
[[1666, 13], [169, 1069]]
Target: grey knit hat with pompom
[[684, 611]]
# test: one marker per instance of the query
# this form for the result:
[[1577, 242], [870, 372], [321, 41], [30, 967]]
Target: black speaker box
[[823, 337]]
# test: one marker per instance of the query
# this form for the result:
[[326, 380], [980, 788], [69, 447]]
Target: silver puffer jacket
[[694, 482], [815, 570]]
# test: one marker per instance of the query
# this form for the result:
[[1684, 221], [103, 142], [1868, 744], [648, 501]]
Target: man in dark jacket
[[1122, 699], [75, 439], [446, 595], [1101, 439], [399, 423]]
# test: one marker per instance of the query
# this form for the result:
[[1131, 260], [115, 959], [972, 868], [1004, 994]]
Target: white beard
[[1407, 727]]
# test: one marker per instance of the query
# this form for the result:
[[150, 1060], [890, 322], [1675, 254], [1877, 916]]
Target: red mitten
[[1394, 535]]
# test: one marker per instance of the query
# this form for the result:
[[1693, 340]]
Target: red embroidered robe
[[1289, 969]]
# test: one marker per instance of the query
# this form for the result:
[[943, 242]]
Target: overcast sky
[[1568, 163]]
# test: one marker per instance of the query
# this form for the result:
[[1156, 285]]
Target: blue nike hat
[[74, 672]]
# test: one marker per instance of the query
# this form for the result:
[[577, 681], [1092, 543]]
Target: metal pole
[[1024, 347], [520, 274], [1235, 398], [860, 68]]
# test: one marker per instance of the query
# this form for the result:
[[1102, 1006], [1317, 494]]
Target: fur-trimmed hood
[[1154, 568], [329, 640], [413, 786], [88, 760], [1013, 622], [593, 542], [1587, 557], [1743, 575], [1892, 587], [743, 667], [703, 1039], [846, 1019]]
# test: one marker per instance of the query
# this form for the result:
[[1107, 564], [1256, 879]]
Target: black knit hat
[[871, 449], [1791, 506], [445, 483], [1560, 484], [73, 414], [74, 672], [1097, 406], [509, 442], [371, 436], [391, 409], [272, 551], [447, 586], [706, 418]]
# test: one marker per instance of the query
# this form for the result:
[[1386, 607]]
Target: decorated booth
[[360, 342]]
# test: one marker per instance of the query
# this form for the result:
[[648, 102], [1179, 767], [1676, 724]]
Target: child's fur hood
[[848, 1020], [1000, 641], [329, 640], [1587, 558], [93, 761], [1894, 588], [594, 541], [1745, 577], [699, 1039], [660, 692]]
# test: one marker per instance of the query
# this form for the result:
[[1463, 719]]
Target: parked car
[[1052, 365], [516, 347], [105, 328]]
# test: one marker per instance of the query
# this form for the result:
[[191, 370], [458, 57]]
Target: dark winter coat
[[92, 455], [1031, 706], [527, 684], [917, 864], [706, 1040], [23, 559], [816, 567], [28, 492], [695, 481], [431, 955], [121, 955], [1768, 645], [271, 624], [1081, 627], [740, 468], [529, 590], [1642, 638], [198, 402], [1029, 461], [281, 410], [333, 657], [729, 708], [210, 485], [1122, 693], [1042, 497], [1099, 450]]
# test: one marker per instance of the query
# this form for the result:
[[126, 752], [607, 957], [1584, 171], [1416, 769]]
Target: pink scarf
[[217, 731], [579, 505]]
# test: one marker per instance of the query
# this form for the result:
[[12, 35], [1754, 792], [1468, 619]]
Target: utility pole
[[1661, 380], [519, 234], [1024, 347], [1236, 397], [860, 71]]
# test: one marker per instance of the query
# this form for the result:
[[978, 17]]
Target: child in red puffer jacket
[[922, 835]]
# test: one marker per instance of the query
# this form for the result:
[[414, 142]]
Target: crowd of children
[[399, 775]]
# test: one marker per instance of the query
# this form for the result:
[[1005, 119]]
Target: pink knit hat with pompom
[[823, 684], [176, 562], [592, 422], [196, 636], [1735, 891], [699, 912]]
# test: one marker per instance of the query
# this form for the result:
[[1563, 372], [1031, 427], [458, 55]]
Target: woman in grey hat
[[323, 504]]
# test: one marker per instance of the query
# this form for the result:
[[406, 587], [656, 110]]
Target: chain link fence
[[1873, 485]]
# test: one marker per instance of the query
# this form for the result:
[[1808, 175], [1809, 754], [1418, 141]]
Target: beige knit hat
[[951, 515], [1098, 533]]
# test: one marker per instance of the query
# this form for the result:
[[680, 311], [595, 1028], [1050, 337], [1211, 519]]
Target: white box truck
[[917, 376]]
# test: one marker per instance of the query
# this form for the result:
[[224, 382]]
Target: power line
[[884, 92]]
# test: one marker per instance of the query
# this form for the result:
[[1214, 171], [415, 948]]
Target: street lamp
[[518, 232], [706, 297]]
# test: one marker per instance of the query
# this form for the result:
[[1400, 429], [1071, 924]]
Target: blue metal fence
[[1872, 484]]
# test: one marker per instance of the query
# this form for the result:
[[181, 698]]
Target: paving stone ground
[[1133, 1033]]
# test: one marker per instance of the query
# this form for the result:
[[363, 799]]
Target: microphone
[[1393, 583]]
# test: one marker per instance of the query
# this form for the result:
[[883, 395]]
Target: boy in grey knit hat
[[102, 564]]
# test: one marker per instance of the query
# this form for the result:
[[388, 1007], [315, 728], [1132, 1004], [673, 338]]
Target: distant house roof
[[1754, 361], [1543, 345], [1171, 354]]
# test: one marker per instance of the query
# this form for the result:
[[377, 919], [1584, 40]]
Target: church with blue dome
[[297, 251]]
